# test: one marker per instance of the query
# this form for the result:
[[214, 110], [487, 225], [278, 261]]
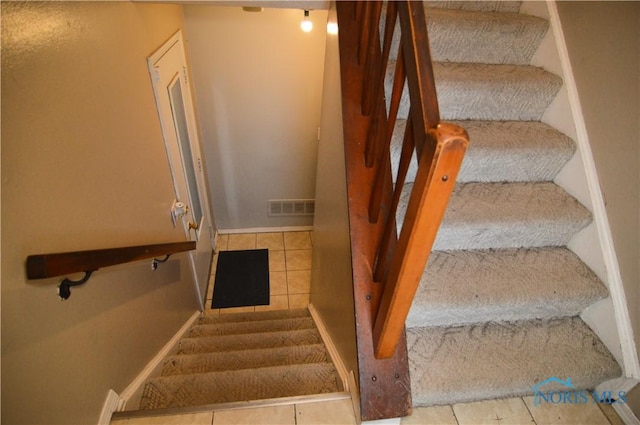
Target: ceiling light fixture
[[306, 24], [332, 28]]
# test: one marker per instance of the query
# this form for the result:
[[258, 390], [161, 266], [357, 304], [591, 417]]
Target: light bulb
[[332, 28], [306, 24]]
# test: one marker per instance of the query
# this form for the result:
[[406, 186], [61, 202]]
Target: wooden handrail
[[386, 267], [44, 266], [398, 262]]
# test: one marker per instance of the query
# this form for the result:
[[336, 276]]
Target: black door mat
[[242, 279]]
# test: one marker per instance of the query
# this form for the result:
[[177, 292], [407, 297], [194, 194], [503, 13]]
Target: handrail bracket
[[64, 289]]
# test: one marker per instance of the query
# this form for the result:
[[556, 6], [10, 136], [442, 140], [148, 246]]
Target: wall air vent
[[291, 207]]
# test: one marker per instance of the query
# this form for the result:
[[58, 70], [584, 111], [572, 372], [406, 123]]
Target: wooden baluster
[[389, 235], [384, 140], [421, 81], [358, 11], [376, 88], [427, 204], [373, 60], [365, 27], [392, 14]]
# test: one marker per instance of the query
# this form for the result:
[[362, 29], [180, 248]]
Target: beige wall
[[83, 167], [331, 277], [603, 40], [258, 86]]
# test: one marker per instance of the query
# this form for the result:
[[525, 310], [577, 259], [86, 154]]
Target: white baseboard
[[616, 386], [331, 348], [111, 405], [355, 397], [631, 364], [391, 421], [626, 414], [266, 230], [139, 380]]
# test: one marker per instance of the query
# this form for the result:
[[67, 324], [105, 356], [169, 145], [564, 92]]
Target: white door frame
[[168, 67]]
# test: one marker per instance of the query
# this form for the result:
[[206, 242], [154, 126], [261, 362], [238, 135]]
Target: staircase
[[226, 358], [497, 310]]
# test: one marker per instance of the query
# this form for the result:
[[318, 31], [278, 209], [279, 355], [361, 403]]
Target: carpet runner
[[227, 358], [497, 310]]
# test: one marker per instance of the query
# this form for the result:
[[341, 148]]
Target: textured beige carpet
[[241, 357], [497, 308]]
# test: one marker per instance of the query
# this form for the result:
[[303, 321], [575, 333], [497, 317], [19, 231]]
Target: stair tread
[[494, 92], [210, 318], [497, 360], [460, 287], [476, 91], [499, 151], [459, 35], [248, 341], [244, 359], [506, 215], [246, 327], [239, 385], [483, 37], [485, 5]]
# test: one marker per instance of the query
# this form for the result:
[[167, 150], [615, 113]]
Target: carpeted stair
[[240, 357], [497, 308]]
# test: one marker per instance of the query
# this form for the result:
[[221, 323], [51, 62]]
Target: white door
[[168, 68]]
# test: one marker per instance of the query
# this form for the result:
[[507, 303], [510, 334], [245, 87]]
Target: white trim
[[331, 348], [616, 288], [233, 405], [139, 380], [390, 421], [626, 414], [111, 404], [616, 386], [266, 230], [355, 397]]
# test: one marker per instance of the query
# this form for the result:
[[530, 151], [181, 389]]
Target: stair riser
[[248, 342], [237, 360], [480, 6], [225, 387], [237, 328], [252, 317]]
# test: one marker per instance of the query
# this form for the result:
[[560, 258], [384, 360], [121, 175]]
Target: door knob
[[193, 226]]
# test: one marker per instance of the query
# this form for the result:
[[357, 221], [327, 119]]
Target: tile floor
[[290, 276], [289, 267], [513, 411], [510, 411], [335, 412]]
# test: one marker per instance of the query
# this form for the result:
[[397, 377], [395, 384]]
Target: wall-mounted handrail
[[44, 266]]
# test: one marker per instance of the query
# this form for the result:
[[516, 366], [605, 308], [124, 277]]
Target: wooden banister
[[427, 204], [44, 266], [439, 147], [387, 267]]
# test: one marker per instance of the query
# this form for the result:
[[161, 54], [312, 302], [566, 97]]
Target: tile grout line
[[454, 414], [529, 410]]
